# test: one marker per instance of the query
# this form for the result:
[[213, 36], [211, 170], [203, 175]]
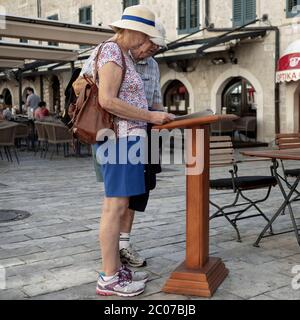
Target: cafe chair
[[22, 132], [7, 142], [225, 127], [222, 154], [286, 141], [247, 127], [58, 134], [42, 138]]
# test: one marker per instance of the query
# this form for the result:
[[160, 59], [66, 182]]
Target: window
[[53, 17], [129, 3], [244, 11], [292, 8], [188, 16], [22, 40], [85, 15]]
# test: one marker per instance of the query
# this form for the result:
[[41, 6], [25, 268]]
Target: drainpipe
[[277, 56], [277, 85], [39, 8]]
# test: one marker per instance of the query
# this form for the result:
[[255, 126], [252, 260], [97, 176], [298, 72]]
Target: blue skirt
[[122, 166]]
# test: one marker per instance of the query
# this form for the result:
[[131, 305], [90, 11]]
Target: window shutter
[[237, 13], [88, 15], [250, 10], [194, 14], [85, 15], [182, 14], [81, 15]]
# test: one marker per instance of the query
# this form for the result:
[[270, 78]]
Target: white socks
[[124, 242]]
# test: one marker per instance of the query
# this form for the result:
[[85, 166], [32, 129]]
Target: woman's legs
[[113, 210]]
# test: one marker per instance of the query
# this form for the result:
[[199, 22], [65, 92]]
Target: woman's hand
[[159, 118]]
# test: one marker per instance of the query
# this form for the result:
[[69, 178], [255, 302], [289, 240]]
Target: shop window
[[292, 8]]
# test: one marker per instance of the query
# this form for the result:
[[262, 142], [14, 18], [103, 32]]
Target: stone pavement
[[54, 253]]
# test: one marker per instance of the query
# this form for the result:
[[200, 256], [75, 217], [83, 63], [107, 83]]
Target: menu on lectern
[[205, 113]]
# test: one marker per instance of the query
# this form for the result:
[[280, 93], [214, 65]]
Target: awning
[[189, 52], [11, 64], [199, 47], [288, 68], [53, 31], [17, 51]]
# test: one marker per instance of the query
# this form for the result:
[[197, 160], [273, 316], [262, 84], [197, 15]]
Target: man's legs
[[127, 254]]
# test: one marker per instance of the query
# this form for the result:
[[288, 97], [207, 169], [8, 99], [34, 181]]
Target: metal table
[[275, 155]]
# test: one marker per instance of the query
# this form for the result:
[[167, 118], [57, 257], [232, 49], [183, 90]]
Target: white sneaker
[[119, 285], [132, 258]]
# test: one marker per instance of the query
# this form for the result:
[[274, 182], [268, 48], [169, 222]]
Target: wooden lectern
[[199, 274]]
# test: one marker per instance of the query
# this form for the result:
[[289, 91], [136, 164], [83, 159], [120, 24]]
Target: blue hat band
[[139, 19]]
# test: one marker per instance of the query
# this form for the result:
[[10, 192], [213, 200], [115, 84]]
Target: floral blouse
[[131, 91]]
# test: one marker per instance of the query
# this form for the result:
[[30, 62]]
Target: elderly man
[[148, 69]]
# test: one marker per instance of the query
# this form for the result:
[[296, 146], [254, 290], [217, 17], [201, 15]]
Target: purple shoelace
[[125, 274]]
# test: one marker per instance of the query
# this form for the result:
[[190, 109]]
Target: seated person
[[7, 114], [41, 112]]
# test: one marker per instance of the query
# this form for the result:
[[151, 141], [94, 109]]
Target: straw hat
[[161, 41], [138, 18]]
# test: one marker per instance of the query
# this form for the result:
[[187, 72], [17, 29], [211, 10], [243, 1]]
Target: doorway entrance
[[177, 98], [7, 97], [239, 98]]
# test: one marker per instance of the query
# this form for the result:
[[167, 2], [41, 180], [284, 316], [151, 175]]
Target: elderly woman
[[126, 100]]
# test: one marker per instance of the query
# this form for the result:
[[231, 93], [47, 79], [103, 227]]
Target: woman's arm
[[111, 77]]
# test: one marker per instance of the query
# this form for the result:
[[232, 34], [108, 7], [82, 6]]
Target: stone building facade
[[237, 72]]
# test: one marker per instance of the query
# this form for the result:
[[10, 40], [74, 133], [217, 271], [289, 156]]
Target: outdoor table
[[275, 155], [199, 274]]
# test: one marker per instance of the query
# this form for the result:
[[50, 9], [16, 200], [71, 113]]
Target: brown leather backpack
[[89, 117]]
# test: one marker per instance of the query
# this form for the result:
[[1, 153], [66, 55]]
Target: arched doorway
[[55, 95], [7, 97], [239, 98], [176, 98]]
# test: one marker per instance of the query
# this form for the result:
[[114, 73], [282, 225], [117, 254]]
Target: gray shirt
[[33, 101]]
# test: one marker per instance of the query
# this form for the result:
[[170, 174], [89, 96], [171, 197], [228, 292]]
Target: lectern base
[[201, 282]]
